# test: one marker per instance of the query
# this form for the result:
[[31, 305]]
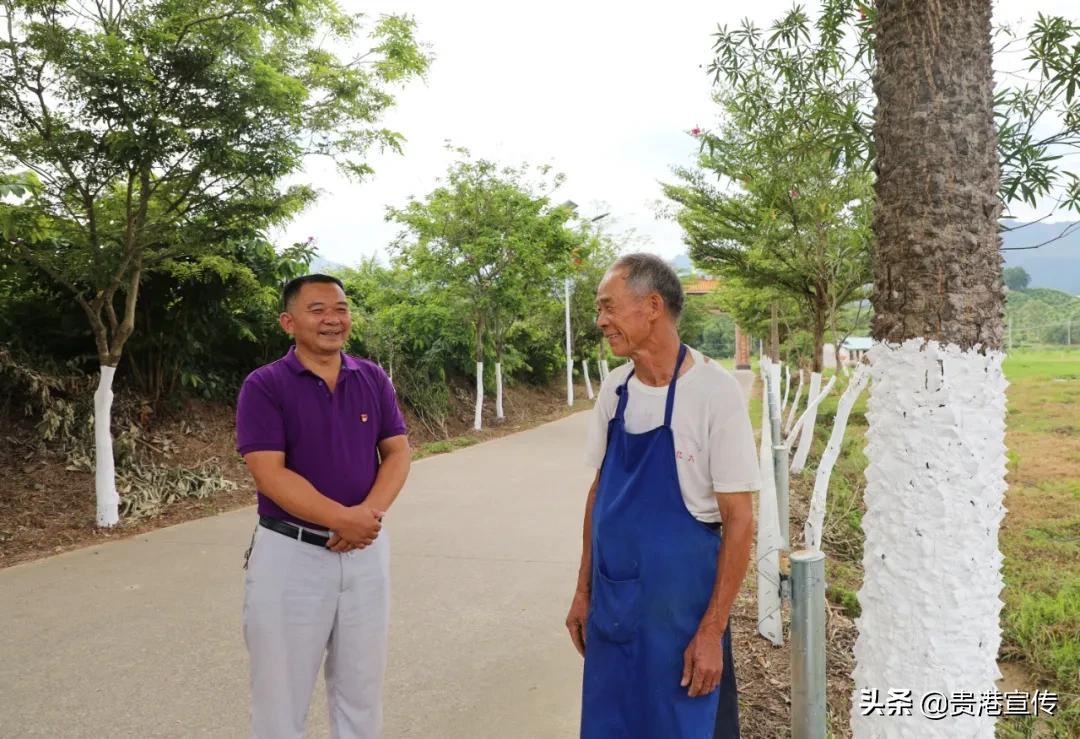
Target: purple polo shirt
[[328, 438]]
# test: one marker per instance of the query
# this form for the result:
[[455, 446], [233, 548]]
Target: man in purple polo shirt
[[322, 434]]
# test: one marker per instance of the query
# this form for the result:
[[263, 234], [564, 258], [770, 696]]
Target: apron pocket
[[616, 608]]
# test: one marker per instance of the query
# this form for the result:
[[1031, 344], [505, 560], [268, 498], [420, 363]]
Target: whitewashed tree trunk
[[815, 520], [604, 368], [390, 374], [806, 435], [787, 387], [794, 405], [588, 382], [498, 391], [108, 500], [477, 420], [768, 530], [934, 497], [569, 355]]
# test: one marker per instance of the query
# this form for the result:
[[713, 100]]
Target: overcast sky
[[603, 92]]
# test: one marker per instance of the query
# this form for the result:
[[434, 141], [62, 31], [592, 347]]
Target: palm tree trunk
[[935, 480]]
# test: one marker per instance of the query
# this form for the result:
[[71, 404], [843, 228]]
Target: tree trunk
[[498, 381], [478, 416], [935, 479], [588, 382], [820, 310], [108, 500]]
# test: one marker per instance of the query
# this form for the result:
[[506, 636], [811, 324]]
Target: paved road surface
[[142, 637]]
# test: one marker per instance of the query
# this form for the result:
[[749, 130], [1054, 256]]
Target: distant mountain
[[1055, 265], [324, 266], [682, 263]]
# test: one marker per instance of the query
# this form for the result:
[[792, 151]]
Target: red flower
[[794, 193], [695, 131]]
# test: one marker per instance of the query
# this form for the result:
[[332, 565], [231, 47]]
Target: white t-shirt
[[714, 442]]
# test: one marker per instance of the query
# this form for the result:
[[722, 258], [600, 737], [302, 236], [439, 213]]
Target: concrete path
[[142, 637]]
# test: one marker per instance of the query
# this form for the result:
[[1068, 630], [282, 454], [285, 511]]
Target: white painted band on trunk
[[787, 388], [768, 530], [935, 486], [794, 405], [108, 500], [815, 520], [588, 382], [498, 391], [807, 420], [477, 419], [812, 402]]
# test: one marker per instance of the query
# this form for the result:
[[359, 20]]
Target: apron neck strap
[[623, 391], [671, 386]]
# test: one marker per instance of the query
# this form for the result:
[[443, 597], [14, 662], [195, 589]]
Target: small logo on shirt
[[689, 457], [363, 418]]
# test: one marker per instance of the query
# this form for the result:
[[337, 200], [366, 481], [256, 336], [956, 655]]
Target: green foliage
[[704, 327], [167, 128], [1016, 278], [487, 237], [1042, 316], [780, 201]]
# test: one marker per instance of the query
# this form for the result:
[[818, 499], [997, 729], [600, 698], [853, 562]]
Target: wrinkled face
[[318, 317], [625, 319]]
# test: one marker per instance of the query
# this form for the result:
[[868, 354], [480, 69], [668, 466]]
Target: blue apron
[[653, 572]]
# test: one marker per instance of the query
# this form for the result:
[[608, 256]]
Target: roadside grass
[[443, 446], [1040, 534]]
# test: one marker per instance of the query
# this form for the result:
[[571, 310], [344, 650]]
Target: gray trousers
[[303, 602]]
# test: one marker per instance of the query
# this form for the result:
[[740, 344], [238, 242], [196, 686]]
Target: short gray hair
[[648, 273]]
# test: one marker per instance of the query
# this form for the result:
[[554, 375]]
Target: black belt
[[293, 532]]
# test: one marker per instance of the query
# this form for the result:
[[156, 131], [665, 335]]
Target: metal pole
[[807, 644], [783, 501], [569, 360]]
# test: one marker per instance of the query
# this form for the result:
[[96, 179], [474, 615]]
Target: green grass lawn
[[1040, 535]]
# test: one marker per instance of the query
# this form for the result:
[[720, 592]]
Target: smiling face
[[626, 319], [318, 317]]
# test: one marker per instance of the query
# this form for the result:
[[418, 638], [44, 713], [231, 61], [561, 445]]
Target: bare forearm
[[585, 571], [299, 497], [731, 564], [388, 482]]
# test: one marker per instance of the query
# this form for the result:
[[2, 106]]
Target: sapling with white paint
[[478, 417], [498, 392], [794, 404], [588, 382], [805, 428], [815, 519], [768, 544], [787, 387]]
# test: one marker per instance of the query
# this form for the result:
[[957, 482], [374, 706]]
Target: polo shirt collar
[[293, 362]]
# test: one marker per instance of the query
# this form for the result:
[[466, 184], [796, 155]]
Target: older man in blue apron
[[668, 523]]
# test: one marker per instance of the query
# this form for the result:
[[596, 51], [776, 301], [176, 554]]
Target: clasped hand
[[359, 528]]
